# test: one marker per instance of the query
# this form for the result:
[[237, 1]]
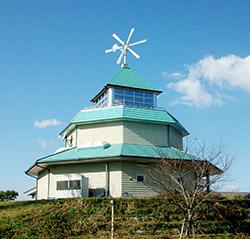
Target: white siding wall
[[130, 185], [72, 135], [90, 135], [147, 134], [95, 172], [125, 132], [175, 138], [42, 184], [115, 175]]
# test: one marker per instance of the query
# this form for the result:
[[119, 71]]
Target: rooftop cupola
[[127, 88]]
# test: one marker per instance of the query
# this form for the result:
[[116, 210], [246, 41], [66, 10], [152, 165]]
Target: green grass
[[134, 218]]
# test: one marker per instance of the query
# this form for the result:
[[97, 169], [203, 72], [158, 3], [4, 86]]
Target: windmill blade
[[134, 53], [117, 38], [130, 34], [120, 58], [138, 42], [109, 50]]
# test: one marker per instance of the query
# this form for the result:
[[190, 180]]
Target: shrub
[[8, 195]]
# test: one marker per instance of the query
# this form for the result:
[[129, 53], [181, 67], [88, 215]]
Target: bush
[[8, 195]]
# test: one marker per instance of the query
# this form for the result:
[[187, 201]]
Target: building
[[109, 146]]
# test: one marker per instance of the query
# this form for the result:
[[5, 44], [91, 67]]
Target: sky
[[53, 62]]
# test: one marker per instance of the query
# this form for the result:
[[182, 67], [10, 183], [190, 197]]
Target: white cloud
[[172, 75], [43, 143], [220, 74], [46, 123], [193, 93]]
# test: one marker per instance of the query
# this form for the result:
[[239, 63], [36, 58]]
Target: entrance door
[[85, 186]]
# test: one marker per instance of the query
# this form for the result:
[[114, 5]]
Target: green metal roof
[[126, 113], [127, 77], [114, 150]]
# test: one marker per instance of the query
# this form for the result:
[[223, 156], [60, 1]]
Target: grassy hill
[[134, 218]]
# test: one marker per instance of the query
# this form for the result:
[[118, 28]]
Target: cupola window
[[133, 98]]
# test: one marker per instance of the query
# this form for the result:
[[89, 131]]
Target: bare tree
[[188, 176]]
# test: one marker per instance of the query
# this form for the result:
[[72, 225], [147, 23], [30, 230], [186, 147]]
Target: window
[[133, 98], [68, 185], [102, 101], [140, 178], [62, 185], [74, 184]]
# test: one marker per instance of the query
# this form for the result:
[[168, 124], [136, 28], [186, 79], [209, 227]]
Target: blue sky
[[53, 61]]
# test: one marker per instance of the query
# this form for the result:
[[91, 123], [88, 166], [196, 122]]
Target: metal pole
[[112, 219]]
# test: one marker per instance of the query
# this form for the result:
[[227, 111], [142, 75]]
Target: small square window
[[140, 178], [74, 184], [62, 185]]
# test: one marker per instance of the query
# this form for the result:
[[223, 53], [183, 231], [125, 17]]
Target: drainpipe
[[107, 179], [76, 136], [48, 177]]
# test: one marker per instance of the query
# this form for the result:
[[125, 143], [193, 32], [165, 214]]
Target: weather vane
[[124, 48]]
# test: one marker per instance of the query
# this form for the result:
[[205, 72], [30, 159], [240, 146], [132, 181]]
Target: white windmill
[[125, 47]]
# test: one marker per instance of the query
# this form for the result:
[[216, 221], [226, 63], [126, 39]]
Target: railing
[[123, 104]]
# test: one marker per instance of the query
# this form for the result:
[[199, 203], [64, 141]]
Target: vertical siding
[[115, 175], [42, 185], [91, 134], [129, 184], [175, 138], [72, 134], [95, 172], [147, 134]]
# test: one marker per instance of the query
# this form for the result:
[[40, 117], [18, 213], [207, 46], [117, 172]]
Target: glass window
[[132, 98], [62, 185], [119, 91], [129, 98], [149, 101], [137, 99], [140, 178], [129, 92], [119, 97], [138, 94], [149, 95], [74, 184]]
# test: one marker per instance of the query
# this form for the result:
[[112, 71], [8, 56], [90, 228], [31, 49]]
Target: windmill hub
[[125, 47]]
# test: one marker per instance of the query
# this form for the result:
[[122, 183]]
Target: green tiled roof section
[[115, 150], [153, 115], [127, 77], [106, 113], [123, 112]]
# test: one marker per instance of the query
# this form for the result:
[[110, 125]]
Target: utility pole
[[112, 218]]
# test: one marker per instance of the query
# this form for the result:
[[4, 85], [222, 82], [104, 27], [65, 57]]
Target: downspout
[[76, 134], [107, 180], [48, 178]]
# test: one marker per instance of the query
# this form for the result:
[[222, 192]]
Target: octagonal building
[[109, 147]]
